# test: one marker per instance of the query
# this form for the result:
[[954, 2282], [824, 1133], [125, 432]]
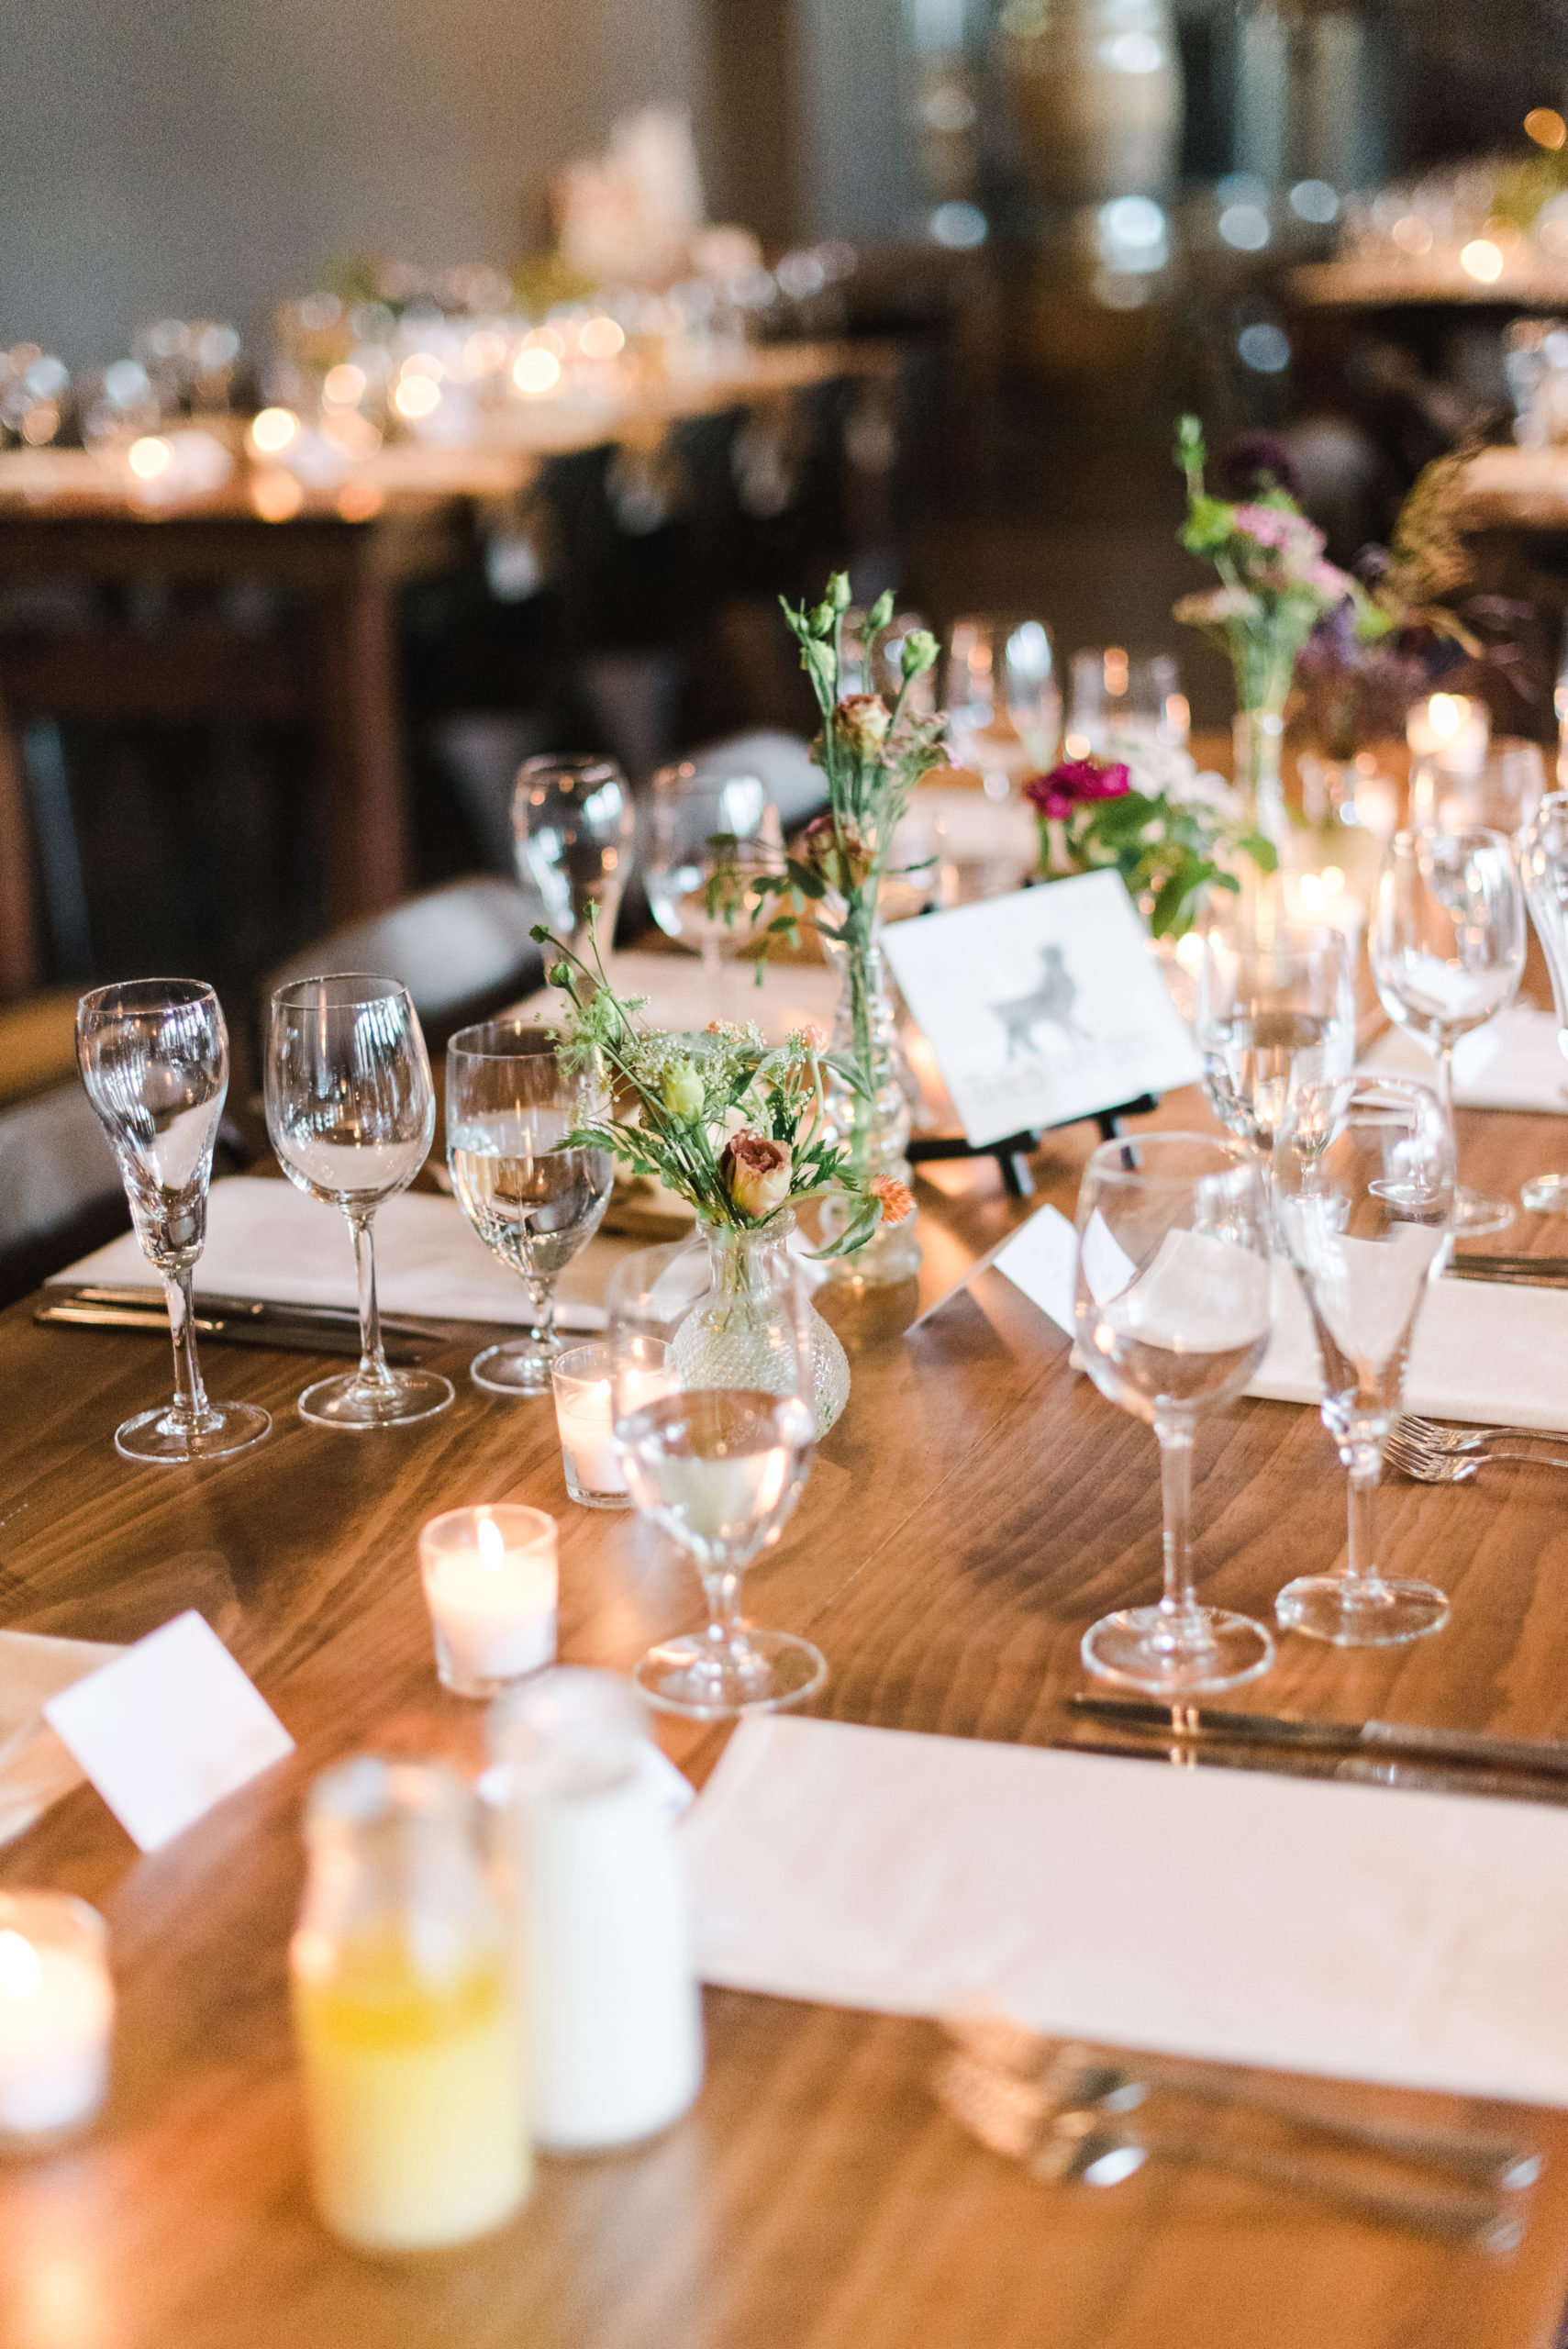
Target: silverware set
[[1435, 1454], [234, 1321]]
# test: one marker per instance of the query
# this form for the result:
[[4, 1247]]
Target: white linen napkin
[[1358, 1932], [35, 1768], [1513, 1063]]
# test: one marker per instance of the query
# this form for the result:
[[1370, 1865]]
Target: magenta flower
[[1069, 785]]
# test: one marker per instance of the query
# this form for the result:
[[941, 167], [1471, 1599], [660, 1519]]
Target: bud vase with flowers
[[1172, 834]]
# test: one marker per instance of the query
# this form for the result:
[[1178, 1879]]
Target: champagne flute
[[510, 1104], [154, 1059], [1363, 1184], [720, 1470], [1273, 1015], [1446, 944], [573, 822], [352, 1114], [1543, 853], [1172, 1320]]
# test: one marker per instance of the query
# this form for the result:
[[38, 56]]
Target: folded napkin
[[1354, 1931], [35, 1768], [1513, 1063]]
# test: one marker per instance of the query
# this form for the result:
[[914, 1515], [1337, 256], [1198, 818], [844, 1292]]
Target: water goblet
[[1363, 1184], [352, 1114], [1173, 1310], [154, 1059], [510, 1105], [1273, 1014], [707, 835], [720, 1470], [1543, 855], [1446, 944], [1124, 697], [1003, 701], [574, 825], [1500, 795]]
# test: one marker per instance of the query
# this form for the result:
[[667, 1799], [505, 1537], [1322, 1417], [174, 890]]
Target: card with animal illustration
[[1041, 1007]]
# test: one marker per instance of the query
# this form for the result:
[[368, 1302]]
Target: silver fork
[[1437, 1435], [1433, 1465]]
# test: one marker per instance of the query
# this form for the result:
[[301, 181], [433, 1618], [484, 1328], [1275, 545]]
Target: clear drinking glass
[[1003, 700], [1363, 1186], [154, 1058], [509, 1106], [719, 1468], [1123, 696], [1543, 856], [1172, 1320], [352, 1114], [583, 1384], [573, 822], [1446, 944], [1500, 795], [1272, 1016], [706, 834]]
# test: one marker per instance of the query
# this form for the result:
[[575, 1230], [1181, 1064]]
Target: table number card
[[168, 1729], [1043, 1006]]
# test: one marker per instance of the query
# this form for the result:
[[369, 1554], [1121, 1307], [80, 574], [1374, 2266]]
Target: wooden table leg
[[18, 906], [364, 808]]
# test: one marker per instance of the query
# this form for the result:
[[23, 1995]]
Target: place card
[[1041, 1008], [168, 1729], [1039, 1258]]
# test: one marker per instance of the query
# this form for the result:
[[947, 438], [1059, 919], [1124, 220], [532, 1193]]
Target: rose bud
[[837, 852], [861, 722], [756, 1173], [920, 651], [682, 1091]]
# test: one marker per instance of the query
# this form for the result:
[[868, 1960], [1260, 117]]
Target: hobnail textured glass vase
[[729, 1339], [875, 1130]]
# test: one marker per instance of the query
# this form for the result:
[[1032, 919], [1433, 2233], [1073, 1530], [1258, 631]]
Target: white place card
[[1039, 1259], [1043, 1006], [168, 1729]]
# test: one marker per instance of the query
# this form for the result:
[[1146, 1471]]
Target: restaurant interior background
[[1064, 219]]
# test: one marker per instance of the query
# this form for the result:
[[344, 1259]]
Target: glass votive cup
[[585, 1382], [57, 2014], [491, 1586]]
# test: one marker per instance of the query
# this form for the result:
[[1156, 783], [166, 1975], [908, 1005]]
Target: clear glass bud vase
[[727, 1339], [1258, 737], [875, 1129]]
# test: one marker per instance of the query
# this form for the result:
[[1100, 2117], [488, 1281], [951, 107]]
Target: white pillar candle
[[585, 1382], [1451, 729], [57, 2007], [587, 1440], [491, 1583]]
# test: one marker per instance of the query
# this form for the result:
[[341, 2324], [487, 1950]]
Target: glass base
[[586, 1498], [762, 1673], [1134, 1649], [396, 1401], [1373, 1614], [519, 1367], [1546, 1195], [159, 1436], [1474, 1214]]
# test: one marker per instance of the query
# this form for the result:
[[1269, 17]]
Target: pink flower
[[861, 722], [756, 1173], [837, 850], [1069, 785], [1272, 526]]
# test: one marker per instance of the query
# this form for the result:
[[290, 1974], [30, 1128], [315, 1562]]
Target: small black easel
[[1012, 1153]]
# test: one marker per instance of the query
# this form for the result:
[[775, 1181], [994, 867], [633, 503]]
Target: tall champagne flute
[[1447, 942], [510, 1105], [154, 1058], [1172, 1320], [352, 1114], [1543, 853], [719, 1469], [1363, 1186], [1273, 1015]]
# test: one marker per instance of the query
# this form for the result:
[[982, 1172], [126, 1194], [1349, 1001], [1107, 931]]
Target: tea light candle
[[584, 1381], [57, 2009], [490, 1585], [1451, 729]]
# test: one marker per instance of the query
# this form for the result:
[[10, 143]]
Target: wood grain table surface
[[975, 1509]]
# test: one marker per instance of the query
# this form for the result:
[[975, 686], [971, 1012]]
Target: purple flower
[[1256, 461]]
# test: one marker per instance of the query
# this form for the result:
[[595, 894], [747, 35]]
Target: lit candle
[[1451, 729], [57, 2011], [490, 1585], [583, 1383]]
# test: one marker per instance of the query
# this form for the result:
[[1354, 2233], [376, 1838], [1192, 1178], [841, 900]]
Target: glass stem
[[1445, 1075], [542, 1297], [1365, 1461], [189, 1395], [1179, 1605], [722, 1591], [373, 1359]]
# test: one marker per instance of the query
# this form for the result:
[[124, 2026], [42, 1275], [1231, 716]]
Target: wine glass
[[1172, 1320], [1543, 855], [706, 836], [1363, 1186], [1123, 696], [510, 1104], [351, 1113], [719, 1469], [1500, 795], [1273, 1015], [1446, 944], [573, 822], [1003, 701], [154, 1058]]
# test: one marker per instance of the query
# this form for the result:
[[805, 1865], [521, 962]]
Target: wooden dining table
[[977, 1504]]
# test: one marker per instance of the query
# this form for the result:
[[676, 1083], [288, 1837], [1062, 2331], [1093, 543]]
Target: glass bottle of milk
[[613, 2018]]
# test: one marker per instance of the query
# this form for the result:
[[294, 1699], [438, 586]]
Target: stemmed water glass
[[510, 1104], [719, 1469], [1273, 1015], [1364, 1188], [1003, 699], [352, 1114], [572, 821], [1172, 1320], [1447, 944], [1543, 854], [706, 835], [1500, 795], [154, 1058]]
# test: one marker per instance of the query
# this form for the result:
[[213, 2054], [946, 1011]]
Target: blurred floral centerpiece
[[1174, 834]]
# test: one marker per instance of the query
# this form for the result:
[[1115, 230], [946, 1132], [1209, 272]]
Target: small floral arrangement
[[729, 1125], [1153, 818]]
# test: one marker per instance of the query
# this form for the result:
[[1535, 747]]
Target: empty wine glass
[[1363, 1183], [1446, 944], [510, 1104], [1500, 795], [718, 1468], [1543, 856], [1004, 702], [352, 1114], [154, 1058], [707, 834], [1124, 697], [573, 822], [1273, 1015], [1172, 1320]]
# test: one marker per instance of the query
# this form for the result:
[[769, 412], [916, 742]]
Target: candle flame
[[20, 1970], [1447, 712], [492, 1544]]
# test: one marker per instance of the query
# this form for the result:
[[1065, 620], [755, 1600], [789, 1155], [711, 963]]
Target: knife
[[1524, 1271], [235, 1309], [1468, 1749], [279, 1331]]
